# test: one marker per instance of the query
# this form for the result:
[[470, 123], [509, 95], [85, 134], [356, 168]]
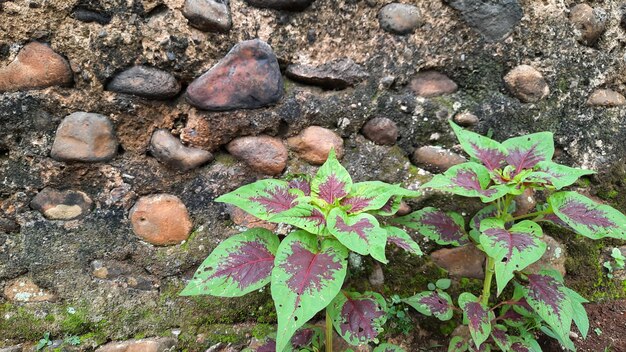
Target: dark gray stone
[[87, 15], [208, 15], [494, 19], [145, 82], [170, 151], [338, 74], [381, 130], [399, 18], [290, 5]]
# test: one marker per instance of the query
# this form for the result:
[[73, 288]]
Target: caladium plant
[[497, 173], [331, 216]]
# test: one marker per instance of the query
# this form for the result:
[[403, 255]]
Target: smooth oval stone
[[146, 82], [86, 137], [161, 219], [264, 154], [399, 18], [61, 205], [171, 152], [208, 15], [291, 5]]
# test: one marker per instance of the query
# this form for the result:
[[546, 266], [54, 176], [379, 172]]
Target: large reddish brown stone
[[464, 261], [429, 84], [85, 137], [436, 159], [61, 205], [36, 66], [314, 143], [247, 77], [160, 219], [264, 154], [381, 130], [527, 84]]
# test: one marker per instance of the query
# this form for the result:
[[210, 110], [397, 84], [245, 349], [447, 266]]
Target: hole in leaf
[[505, 259]]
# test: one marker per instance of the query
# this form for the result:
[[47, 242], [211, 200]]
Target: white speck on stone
[[425, 119], [23, 296], [403, 107], [71, 310], [355, 260], [557, 252], [353, 106], [435, 136]]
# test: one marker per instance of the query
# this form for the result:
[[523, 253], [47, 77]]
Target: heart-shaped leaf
[[373, 195], [400, 238], [358, 318], [239, 265], [587, 217], [478, 317], [468, 180], [429, 303], [306, 278], [262, 199], [361, 233], [512, 249], [489, 152], [332, 182], [442, 227], [525, 152], [305, 216]]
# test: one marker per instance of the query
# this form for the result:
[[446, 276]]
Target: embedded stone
[[430, 84], [404, 209], [24, 290], [61, 205], [377, 277], [381, 130], [314, 143], [165, 344], [525, 202], [465, 261], [248, 77], [160, 219], [493, 19], [208, 15], [436, 159], [399, 18], [88, 15], [86, 137], [527, 84], [264, 154], [170, 151], [36, 66], [606, 97], [290, 5], [466, 119], [146, 82], [590, 23], [553, 258], [338, 74], [241, 218]]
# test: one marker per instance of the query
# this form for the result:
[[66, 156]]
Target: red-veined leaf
[[512, 249], [305, 216], [468, 180], [555, 220], [358, 318], [373, 195], [262, 199], [442, 227], [301, 184], [501, 337], [478, 317], [489, 152], [332, 182], [387, 347], [525, 152], [457, 344], [305, 279], [556, 175], [400, 238], [390, 208], [432, 303], [361, 233], [587, 217], [239, 265]]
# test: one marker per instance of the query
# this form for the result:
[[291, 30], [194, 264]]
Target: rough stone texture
[[552, 259], [61, 205], [264, 154], [381, 130], [170, 151], [436, 159], [465, 261], [493, 19], [160, 219], [338, 74], [606, 97], [25, 290], [399, 18], [525, 202], [166, 344], [589, 22], [377, 277], [247, 77], [314, 144], [291, 5], [86, 137], [147, 82], [527, 84], [430, 84], [209, 15], [36, 66]]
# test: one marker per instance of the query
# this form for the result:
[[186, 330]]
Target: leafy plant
[[44, 342], [306, 269], [618, 258], [496, 174]]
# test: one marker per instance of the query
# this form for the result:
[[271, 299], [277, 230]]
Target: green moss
[[75, 321], [261, 331], [225, 159], [192, 236], [21, 323]]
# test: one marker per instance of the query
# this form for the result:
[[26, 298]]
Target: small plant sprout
[[618, 258], [331, 216], [539, 301]]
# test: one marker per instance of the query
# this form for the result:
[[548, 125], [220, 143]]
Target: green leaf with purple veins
[[549, 298], [262, 199], [432, 303], [332, 182], [361, 233], [477, 316], [468, 180], [457, 344], [305, 216], [512, 249], [579, 314], [306, 278], [525, 152], [587, 217], [442, 227], [358, 318], [555, 174], [490, 211], [490, 153], [387, 347], [373, 195], [400, 238], [519, 344], [501, 337], [239, 265], [390, 208]]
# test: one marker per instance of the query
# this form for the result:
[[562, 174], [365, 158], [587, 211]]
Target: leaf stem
[[529, 215], [489, 269], [329, 333]]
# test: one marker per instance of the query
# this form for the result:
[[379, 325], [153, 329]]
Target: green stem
[[329, 333], [489, 269], [529, 215]]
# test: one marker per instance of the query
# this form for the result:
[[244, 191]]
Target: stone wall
[[118, 116]]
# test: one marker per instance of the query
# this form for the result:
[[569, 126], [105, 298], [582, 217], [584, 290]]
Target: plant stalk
[[529, 215], [489, 269], [329, 333]]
